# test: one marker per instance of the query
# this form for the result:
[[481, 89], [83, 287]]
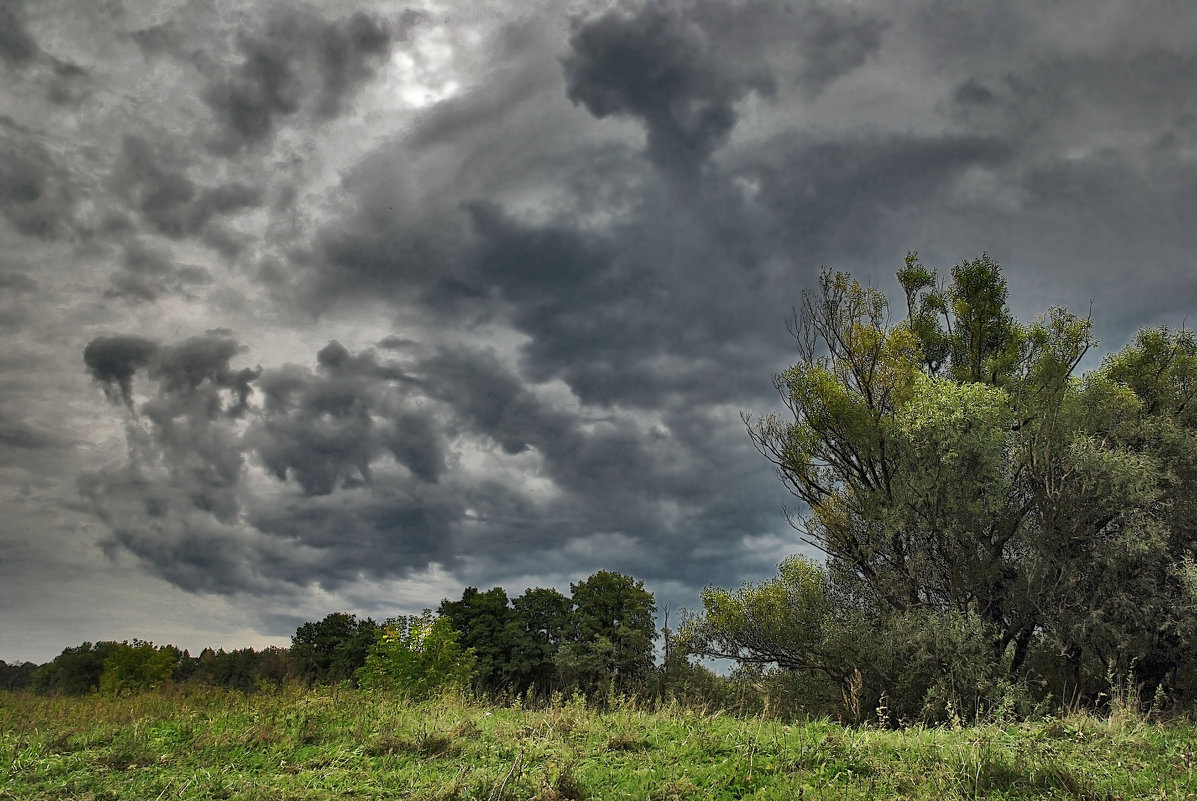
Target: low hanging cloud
[[113, 361], [370, 469], [682, 68], [659, 66]]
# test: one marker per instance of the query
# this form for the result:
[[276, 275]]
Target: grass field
[[338, 743]]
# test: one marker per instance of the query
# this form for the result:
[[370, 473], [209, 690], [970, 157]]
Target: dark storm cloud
[[623, 314], [579, 296], [181, 503], [347, 54], [157, 520], [320, 428], [195, 370], [175, 504], [113, 361], [17, 46], [682, 68], [658, 66], [158, 40], [821, 197], [198, 369], [613, 478], [264, 88], [972, 92], [621, 310], [1099, 171], [572, 291], [17, 283], [196, 387], [296, 60], [615, 488], [1125, 91], [157, 186], [490, 400], [393, 254], [833, 42]]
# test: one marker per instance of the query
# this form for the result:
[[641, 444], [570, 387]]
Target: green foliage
[[331, 650], [416, 657], [137, 666], [985, 514], [596, 640], [483, 621], [76, 671], [781, 621], [16, 676], [243, 669], [516, 645], [610, 633], [540, 618]]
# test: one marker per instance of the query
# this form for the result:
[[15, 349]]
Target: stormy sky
[[347, 306]]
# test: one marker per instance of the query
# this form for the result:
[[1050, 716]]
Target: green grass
[[337, 743]]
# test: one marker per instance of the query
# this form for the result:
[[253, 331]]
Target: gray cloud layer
[[369, 458], [351, 305]]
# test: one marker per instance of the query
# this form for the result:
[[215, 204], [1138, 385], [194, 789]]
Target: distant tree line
[[598, 639], [121, 667]]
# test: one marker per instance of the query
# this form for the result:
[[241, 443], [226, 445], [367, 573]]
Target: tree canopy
[[599, 636], [332, 649], [976, 499]]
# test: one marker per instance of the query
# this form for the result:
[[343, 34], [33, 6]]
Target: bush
[[140, 666], [416, 656]]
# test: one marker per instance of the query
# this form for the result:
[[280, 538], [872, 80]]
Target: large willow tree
[[988, 517]]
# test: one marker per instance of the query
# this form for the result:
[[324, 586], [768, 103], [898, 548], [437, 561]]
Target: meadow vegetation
[[296, 743]]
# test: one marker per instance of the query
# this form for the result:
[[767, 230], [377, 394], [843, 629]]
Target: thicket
[[999, 533]]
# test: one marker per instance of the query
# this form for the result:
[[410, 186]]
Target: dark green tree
[[76, 671], [242, 669], [539, 621], [16, 676], [482, 621], [331, 650], [610, 633]]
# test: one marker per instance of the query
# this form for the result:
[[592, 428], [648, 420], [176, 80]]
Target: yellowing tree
[[136, 667], [416, 656]]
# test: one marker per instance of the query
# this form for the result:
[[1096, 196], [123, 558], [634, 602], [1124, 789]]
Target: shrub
[[416, 656], [136, 667]]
